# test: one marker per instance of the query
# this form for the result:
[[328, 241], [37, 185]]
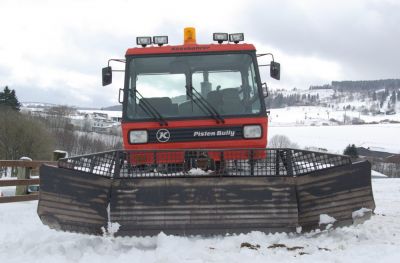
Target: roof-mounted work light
[[236, 38], [160, 40], [220, 37], [143, 41]]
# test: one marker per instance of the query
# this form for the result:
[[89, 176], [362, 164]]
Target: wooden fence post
[[23, 173]]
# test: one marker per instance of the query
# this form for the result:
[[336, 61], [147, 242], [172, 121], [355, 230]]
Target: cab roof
[[189, 48]]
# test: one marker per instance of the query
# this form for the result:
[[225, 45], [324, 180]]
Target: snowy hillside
[[317, 116], [24, 239], [328, 106], [29, 104], [380, 137], [338, 119]]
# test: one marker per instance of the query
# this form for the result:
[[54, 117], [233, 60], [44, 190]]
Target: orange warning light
[[189, 34]]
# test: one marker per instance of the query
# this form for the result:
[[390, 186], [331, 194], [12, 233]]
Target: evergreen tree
[[374, 96], [279, 100], [386, 93], [351, 151], [8, 98]]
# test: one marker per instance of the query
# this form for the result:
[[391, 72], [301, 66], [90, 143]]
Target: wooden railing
[[24, 169]]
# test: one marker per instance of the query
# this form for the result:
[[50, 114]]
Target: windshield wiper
[[150, 110], [205, 106]]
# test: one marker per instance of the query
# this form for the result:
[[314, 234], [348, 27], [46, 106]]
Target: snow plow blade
[[269, 190]]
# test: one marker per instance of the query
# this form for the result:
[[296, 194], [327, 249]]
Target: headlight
[[139, 136], [252, 131]]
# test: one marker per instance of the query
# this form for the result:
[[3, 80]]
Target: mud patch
[[249, 246]]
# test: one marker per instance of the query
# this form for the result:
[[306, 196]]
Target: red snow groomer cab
[[193, 96]]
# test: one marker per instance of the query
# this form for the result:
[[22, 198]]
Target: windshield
[[192, 86]]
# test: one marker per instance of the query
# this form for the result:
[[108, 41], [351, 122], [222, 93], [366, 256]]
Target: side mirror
[[106, 75], [275, 70]]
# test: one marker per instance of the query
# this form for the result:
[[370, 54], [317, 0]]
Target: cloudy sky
[[53, 51]]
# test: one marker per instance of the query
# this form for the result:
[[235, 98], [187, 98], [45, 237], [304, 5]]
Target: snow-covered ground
[[312, 115], [381, 137], [110, 114], [310, 126], [24, 239]]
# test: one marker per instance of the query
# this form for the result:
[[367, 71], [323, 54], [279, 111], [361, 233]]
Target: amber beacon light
[[189, 34]]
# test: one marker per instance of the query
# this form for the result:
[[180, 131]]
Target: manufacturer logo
[[189, 48], [218, 133], [163, 135]]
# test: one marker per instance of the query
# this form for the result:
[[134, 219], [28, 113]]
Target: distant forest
[[361, 85]]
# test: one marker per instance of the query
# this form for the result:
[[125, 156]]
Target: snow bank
[[198, 171], [376, 174], [24, 239], [325, 219], [112, 228], [360, 213]]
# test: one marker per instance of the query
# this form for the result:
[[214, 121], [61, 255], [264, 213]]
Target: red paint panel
[[204, 144], [189, 49]]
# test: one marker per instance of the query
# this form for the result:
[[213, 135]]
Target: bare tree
[[281, 141], [91, 143], [23, 135], [61, 110]]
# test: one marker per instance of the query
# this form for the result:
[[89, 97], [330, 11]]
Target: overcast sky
[[53, 51]]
